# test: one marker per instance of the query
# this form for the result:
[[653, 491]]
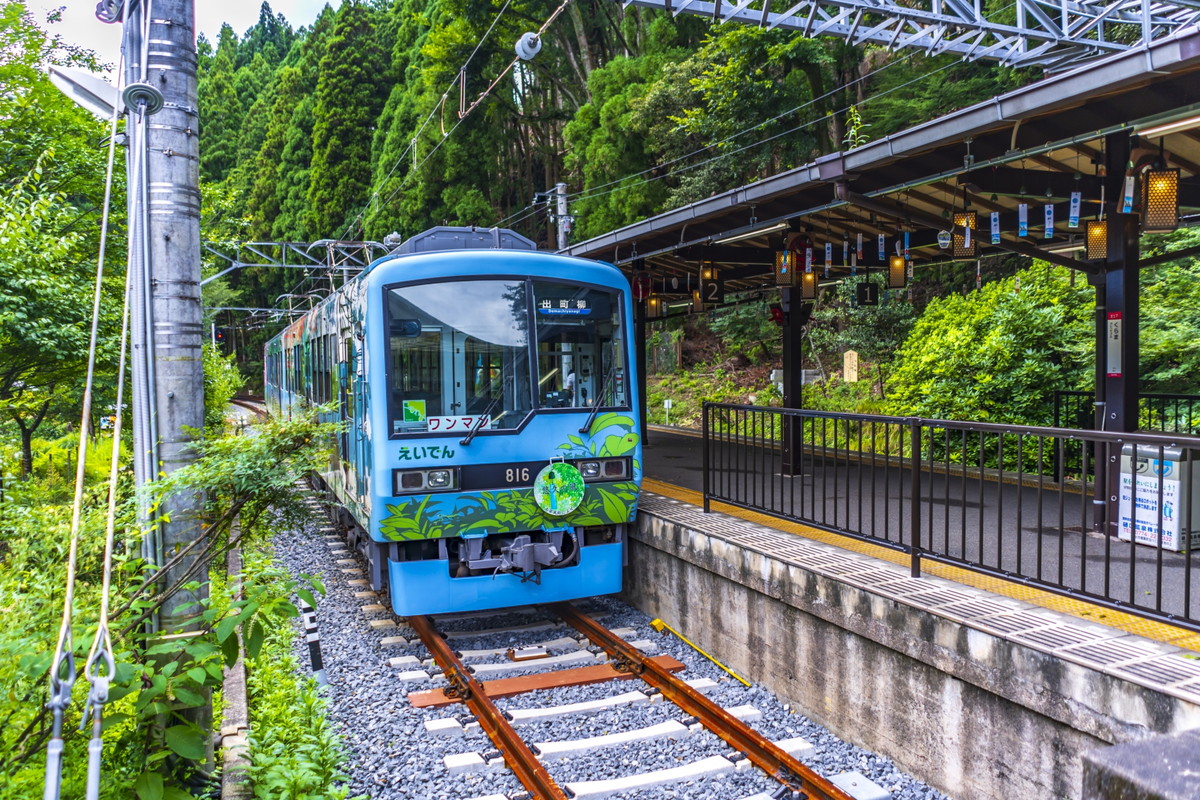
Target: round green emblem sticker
[[558, 489]]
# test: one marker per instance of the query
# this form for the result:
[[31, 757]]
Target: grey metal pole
[[560, 191], [160, 55]]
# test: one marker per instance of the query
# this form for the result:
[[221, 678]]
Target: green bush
[[294, 752], [222, 381]]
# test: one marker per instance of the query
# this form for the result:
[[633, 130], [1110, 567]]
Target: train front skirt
[[426, 587]]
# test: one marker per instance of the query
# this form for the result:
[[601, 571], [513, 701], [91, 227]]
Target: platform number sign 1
[[712, 288]]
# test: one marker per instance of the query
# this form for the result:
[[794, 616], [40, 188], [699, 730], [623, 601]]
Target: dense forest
[[354, 127]]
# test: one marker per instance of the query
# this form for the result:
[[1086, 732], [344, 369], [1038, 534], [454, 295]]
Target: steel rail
[[762, 753], [517, 754]]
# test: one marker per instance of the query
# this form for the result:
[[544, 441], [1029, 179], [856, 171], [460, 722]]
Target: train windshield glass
[[458, 355], [580, 348]]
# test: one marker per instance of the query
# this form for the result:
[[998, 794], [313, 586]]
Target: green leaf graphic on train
[[612, 434], [409, 520], [503, 511]]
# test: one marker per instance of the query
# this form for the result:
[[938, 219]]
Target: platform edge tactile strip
[[1040, 625]]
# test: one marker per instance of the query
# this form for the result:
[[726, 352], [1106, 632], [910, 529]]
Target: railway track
[[558, 701], [525, 760]]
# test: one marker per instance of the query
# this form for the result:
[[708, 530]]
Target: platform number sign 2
[[712, 288]]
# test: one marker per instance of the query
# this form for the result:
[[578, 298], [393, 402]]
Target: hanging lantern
[[785, 268], [896, 274], [1160, 200], [1097, 239], [964, 234], [808, 286], [712, 289], [654, 307]]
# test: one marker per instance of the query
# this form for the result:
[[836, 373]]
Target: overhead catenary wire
[[466, 112], [412, 142]]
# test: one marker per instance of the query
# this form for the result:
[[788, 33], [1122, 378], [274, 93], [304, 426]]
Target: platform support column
[[793, 380], [639, 349], [1118, 371]]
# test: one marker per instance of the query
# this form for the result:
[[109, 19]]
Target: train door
[[352, 432]]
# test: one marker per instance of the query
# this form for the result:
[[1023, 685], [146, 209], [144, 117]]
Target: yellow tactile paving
[[1140, 626]]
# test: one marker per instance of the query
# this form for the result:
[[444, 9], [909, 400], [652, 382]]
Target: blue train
[[490, 455]]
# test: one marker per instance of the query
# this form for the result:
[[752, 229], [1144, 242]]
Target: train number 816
[[516, 475]]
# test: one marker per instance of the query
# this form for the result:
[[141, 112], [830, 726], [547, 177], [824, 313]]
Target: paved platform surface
[[674, 469]]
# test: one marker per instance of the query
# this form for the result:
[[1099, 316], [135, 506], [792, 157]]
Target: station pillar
[[639, 347], [1118, 304], [793, 379]]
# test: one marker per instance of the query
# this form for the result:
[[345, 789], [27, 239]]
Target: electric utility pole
[[564, 219], [164, 259]]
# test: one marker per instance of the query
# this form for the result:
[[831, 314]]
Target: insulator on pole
[[528, 46]]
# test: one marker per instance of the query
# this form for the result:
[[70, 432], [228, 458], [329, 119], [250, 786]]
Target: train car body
[[490, 455]]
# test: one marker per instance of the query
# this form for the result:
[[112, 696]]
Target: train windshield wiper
[[483, 420], [608, 379]]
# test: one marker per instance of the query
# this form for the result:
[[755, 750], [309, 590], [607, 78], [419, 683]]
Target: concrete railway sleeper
[[764, 754], [526, 760]]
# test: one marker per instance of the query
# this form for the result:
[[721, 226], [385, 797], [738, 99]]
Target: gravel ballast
[[392, 755]]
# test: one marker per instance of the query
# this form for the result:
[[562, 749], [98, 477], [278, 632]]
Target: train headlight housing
[[415, 481], [604, 469]]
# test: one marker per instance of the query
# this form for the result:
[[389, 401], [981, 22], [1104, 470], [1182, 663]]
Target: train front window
[[458, 353], [580, 349]]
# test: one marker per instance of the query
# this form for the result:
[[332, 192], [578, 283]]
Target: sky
[[80, 26]]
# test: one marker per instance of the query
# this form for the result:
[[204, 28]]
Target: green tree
[[221, 111], [51, 185], [347, 101], [997, 354], [1170, 318]]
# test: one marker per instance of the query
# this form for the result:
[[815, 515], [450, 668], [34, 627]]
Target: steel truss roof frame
[[348, 258], [1053, 34], [1045, 135]]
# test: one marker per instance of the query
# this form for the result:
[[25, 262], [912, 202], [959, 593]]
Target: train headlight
[[616, 469], [414, 481], [605, 469]]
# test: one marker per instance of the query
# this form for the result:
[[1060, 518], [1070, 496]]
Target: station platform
[[673, 469], [978, 686]]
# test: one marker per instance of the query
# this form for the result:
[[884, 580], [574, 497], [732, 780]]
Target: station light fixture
[[785, 267], [1097, 240], [1167, 128], [808, 286], [1160, 200], [654, 307], [965, 245], [897, 273], [737, 237]]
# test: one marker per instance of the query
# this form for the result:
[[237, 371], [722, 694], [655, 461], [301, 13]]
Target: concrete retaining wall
[[964, 708]]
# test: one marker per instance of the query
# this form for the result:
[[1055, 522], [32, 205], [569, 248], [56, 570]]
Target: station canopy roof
[[1034, 146]]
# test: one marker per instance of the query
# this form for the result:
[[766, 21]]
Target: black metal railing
[[1158, 413], [986, 497]]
